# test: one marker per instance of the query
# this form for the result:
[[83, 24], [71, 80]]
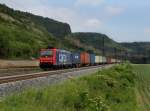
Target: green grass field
[[108, 90], [143, 86]]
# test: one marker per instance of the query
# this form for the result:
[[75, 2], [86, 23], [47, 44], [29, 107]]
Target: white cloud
[[93, 23], [112, 10], [89, 2], [147, 31], [39, 7], [23, 4], [58, 13]]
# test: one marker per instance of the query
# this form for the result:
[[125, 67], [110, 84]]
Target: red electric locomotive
[[53, 58], [47, 57]]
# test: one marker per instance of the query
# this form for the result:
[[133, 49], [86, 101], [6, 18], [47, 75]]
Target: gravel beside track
[[42, 79]]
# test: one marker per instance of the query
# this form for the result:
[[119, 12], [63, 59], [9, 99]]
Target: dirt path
[[18, 63]]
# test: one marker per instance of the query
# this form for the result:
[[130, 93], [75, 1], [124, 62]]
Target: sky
[[121, 20]]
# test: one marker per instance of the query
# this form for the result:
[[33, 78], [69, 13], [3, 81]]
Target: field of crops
[[143, 86]]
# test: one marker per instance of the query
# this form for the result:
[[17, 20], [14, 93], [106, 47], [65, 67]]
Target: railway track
[[18, 71], [19, 77]]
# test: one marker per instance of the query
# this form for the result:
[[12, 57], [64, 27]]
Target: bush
[[107, 90]]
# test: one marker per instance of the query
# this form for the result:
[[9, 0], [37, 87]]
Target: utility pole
[[103, 48], [126, 55], [115, 54], [121, 55]]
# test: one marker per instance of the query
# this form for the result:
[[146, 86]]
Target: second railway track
[[18, 71]]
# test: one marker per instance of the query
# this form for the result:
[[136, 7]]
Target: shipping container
[[104, 59], [92, 59], [101, 59], [118, 61], [75, 58], [84, 58], [63, 57], [97, 59], [113, 60], [109, 60]]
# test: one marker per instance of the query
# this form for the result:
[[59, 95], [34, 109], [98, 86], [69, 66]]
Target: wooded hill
[[23, 34], [138, 52]]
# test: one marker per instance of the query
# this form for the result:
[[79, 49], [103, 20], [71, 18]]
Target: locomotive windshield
[[47, 53]]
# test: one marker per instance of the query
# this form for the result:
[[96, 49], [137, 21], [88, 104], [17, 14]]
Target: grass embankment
[[107, 90], [143, 86]]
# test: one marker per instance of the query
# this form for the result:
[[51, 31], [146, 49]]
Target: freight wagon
[[92, 59], [109, 60], [85, 58], [104, 60], [101, 59], [97, 60], [76, 59], [113, 60], [118, 61]]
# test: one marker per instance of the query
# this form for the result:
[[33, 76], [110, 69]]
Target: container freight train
[[57, 58]]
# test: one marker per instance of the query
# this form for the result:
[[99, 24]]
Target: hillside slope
[[138, 52], [23, 34], [93, 42], [138, 47]]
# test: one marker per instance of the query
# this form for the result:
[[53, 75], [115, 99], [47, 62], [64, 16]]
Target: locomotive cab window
[[47, 53]]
